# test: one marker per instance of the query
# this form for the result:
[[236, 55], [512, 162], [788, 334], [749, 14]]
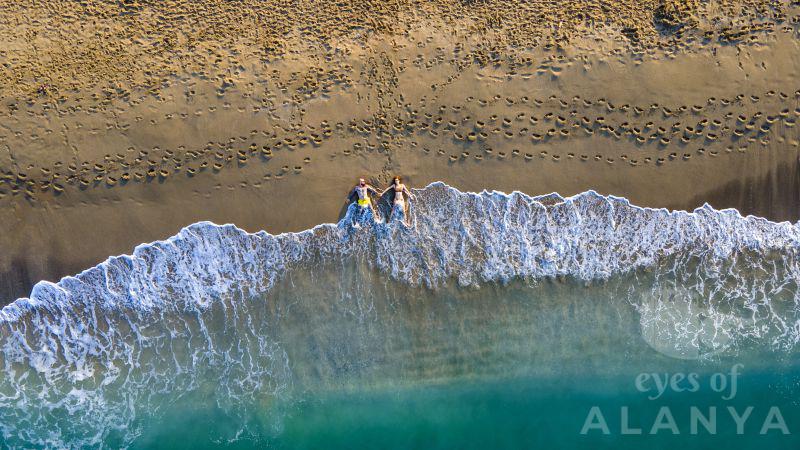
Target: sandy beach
[[122, 122], [600, 247]]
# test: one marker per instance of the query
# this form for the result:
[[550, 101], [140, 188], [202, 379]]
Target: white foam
[[116, 326]]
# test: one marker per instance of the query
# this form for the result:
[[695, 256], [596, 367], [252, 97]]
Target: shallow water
[[502, 322], [504, 366]]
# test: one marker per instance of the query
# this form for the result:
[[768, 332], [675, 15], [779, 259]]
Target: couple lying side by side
[[361, 192]]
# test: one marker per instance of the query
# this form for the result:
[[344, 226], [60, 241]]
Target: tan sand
[[121, 122]]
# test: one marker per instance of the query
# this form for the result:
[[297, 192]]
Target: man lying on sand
[[361, 193]]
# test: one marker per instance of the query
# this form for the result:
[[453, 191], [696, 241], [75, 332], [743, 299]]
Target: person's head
[[362, 182], [396, 180]]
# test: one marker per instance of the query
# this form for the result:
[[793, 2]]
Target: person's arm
[[375, 191], [410, 195], [350, 196]]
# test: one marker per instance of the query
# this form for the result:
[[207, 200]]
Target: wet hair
[[397, 179]]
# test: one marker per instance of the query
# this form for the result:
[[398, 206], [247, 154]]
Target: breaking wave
[[89, 359]]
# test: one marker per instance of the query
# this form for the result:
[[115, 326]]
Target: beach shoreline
[[149, 129], [88, 237]]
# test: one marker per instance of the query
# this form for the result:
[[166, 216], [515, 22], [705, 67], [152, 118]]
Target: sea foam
[[101, 346]]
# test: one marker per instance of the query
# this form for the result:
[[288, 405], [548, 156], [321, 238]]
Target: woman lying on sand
[[399, 202]]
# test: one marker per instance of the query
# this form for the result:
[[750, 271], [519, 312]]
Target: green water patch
[[588, 412], [540, 414]]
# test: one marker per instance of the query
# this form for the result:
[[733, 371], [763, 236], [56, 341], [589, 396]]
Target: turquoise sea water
[[505, 414], [547, 355], [504, 322], [516, 414], [503, 366]]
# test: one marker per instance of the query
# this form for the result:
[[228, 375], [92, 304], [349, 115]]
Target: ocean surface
[[484, 320]]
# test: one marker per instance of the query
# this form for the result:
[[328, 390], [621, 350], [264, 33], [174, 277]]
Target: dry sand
[[123, 121]]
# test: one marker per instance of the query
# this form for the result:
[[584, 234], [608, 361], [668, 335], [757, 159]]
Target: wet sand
[[122, 122]]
